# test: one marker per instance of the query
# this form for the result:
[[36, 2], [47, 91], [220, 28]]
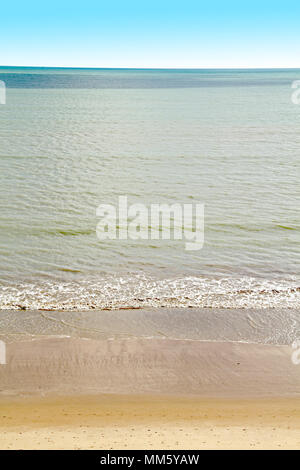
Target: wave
[[140, 291]]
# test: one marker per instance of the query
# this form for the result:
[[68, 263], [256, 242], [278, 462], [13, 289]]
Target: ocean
[[72, 139]]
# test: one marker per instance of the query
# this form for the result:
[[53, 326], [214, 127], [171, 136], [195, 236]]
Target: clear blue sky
[[150, 33]]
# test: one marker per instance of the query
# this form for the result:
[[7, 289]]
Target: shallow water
[[267, 326], [73, 139]]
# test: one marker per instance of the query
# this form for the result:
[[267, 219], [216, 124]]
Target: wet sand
[[148, 366]]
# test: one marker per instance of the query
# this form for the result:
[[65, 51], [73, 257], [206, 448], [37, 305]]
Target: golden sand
[[149, 422]]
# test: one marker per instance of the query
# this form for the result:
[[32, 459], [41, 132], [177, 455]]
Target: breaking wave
[[140, 291]]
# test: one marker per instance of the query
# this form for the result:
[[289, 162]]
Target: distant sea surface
[[71, 139]]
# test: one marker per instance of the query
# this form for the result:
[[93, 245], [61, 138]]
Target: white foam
[[138, 291]]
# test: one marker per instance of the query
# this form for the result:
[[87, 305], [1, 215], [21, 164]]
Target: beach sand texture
[[63, 393]]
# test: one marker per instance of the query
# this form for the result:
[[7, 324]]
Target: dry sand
[[150, 422], [141, 394]]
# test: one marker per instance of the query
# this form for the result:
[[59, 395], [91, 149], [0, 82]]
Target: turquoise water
[[71, 139]]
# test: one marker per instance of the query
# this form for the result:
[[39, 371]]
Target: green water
[[73, 139]]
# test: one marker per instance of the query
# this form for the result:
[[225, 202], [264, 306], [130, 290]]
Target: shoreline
[[263, 326]]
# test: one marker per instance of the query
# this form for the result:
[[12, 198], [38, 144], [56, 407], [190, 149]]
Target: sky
[[163, 34]]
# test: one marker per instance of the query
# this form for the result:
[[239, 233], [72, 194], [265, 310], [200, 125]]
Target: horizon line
[[148, 68]]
